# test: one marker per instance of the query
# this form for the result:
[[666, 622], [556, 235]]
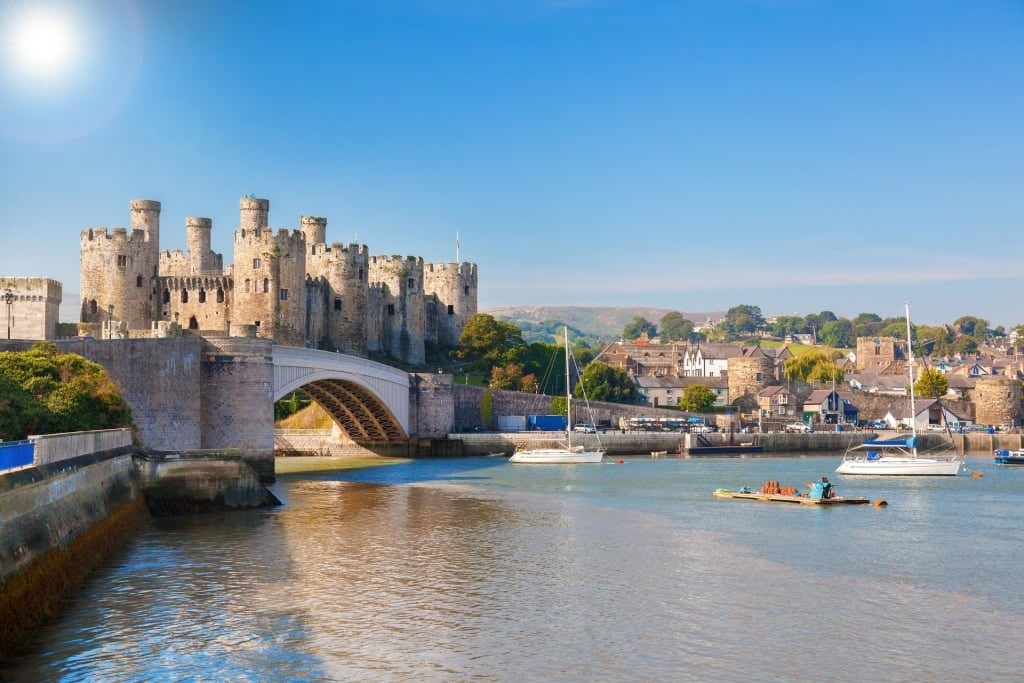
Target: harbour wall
[[643, 443], [60, 519]]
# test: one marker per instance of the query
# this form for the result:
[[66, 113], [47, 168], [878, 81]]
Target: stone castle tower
[[287, 285], [748, 375], [997, 400]]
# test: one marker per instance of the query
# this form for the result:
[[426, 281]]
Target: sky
[[692, 155]]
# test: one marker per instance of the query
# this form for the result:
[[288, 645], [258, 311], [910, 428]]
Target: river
[[481, 570]]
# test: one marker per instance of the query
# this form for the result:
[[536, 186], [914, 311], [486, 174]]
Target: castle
[[290, 286]]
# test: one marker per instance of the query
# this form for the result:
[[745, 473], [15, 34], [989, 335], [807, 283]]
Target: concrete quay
[[644, 443]]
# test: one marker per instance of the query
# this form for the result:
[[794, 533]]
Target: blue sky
[[797, 155]]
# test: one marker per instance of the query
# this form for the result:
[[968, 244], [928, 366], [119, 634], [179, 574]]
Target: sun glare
[[42, 44]]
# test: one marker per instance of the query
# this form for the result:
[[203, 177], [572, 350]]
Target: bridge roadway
[[368, 400]]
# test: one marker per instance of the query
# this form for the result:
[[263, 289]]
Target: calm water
[[479, 570]]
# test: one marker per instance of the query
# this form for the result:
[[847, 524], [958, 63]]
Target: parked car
[[585, 428], [879, 424], [799, 428]]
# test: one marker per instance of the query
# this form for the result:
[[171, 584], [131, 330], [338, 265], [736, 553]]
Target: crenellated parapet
[[292, 286]]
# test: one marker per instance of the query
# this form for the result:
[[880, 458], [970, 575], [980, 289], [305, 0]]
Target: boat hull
[[1006, 457], [800, 500], [888, 466], [556, 456]]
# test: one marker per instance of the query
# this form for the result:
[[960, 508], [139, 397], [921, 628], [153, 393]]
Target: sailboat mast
[[568, 392], [910, 371]]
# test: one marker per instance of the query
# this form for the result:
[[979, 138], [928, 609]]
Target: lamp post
[[9, 300], [110, 321]]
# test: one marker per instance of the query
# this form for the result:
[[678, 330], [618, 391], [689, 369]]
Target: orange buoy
[[880, 503], [618, 462], [977, 475]]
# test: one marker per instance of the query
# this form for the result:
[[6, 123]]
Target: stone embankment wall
[[60, 520], [51, 448]]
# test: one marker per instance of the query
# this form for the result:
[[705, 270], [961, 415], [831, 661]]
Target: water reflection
[[476, 570]]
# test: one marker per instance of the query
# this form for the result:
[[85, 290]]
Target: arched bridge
[[368, 400]]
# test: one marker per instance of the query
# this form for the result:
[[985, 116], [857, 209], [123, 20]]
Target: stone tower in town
[[996, 400]]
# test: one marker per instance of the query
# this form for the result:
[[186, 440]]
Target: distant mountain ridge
[[603, 323]]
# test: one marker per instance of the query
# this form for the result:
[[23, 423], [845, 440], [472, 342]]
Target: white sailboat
[[566, 454], [900, 457]]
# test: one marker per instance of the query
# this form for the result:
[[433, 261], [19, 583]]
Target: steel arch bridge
[[369, 400]]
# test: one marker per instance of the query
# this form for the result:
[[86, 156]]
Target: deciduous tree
[[931, 383], [637, 327], [697, 399], [487, 342], [602, 382], [674, 327]]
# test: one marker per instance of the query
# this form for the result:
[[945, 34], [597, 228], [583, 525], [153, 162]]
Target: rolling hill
[[543, 323]]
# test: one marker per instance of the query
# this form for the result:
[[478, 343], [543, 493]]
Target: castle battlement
[[116, 234], [463, 268], [33, 288], [396, 259], [286, 284]]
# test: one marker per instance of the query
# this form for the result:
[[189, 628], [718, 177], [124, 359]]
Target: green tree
[[508, 377], [970, 326], [637, 327], [602, 382], [743, 320], [697, 399], [866, 325], [838, 334], [816, 365], [487, 342], [674, 327], [48, 392], [786, 325], [486, 406], [931, 383]]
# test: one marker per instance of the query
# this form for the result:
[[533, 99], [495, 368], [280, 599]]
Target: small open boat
[[779, 498], [1008, 457], [821, 493]]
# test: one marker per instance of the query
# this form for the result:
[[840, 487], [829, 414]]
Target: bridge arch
[[369, 400]]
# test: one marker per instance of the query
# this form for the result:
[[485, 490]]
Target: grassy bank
[[299, 464]]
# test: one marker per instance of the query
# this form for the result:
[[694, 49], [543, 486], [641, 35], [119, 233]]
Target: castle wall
[[454, 288], [270, 277], [195, 302], [35, 308], [344, 296], [288, 285], [402, 314]]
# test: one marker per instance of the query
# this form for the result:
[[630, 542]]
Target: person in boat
[[826, 488]]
